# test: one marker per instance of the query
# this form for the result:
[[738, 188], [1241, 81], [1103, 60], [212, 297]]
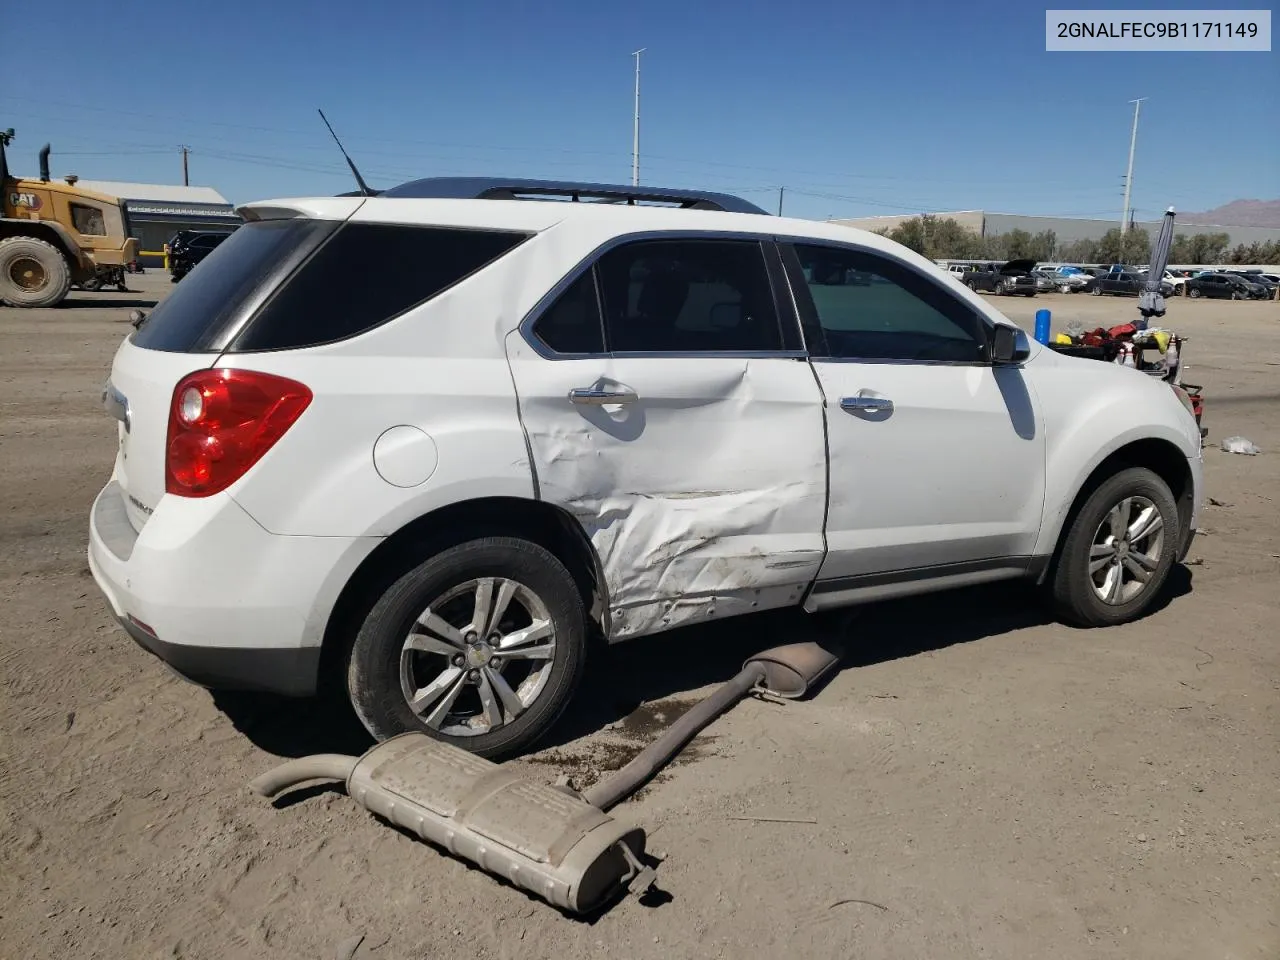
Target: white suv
[[431, 448]]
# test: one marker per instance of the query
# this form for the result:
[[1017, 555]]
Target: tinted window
[[872, 307], [572, 323], [205, 308], [365, 275], [688, 296]]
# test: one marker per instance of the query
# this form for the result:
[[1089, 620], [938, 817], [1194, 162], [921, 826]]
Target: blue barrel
[[1042, 326]]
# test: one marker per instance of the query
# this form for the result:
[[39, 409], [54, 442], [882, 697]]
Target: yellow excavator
[[53, 234]]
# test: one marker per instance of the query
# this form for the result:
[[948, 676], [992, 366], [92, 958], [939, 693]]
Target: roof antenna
[[365, 191]]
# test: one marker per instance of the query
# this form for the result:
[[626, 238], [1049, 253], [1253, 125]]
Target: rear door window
[[571, 325], [689, 296]]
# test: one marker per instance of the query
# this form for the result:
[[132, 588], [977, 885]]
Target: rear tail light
[[221, 422]]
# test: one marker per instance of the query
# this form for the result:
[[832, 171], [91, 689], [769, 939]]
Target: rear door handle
[[597, 396], [865, 403]]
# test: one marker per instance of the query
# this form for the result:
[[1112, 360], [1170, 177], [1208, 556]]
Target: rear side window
[[365, 275], [203, 311]]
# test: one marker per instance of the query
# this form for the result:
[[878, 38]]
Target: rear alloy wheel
[[1096, 291], [1195, 293], [1118, 552], [481, 646], [33, 273]]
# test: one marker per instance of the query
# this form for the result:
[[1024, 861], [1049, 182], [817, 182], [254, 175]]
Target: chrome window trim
[[544, 303], [886, 361], [984, 322]]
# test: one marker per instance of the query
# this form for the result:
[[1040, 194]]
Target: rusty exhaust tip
[[793, 670]]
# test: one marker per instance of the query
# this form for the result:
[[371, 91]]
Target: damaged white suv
[[429, 444]]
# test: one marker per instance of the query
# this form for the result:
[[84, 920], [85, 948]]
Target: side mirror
[[1008, 345], [136, 317]]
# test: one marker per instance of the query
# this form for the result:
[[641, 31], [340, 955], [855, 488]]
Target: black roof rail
[[494, 188]]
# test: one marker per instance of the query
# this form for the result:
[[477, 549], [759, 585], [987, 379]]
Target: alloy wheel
[[1126, 550], [477, 657]]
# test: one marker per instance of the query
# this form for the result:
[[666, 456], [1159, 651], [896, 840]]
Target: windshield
[[207, 307]]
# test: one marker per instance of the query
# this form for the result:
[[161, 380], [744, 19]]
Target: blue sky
[[856, 109]]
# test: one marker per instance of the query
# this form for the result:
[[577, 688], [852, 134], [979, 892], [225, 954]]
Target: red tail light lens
[[221, 422]]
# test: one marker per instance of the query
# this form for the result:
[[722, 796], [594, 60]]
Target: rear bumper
[[291, 672], [211, 593]]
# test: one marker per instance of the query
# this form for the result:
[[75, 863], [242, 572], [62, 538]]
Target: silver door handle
[[597, 397], [865, 403]]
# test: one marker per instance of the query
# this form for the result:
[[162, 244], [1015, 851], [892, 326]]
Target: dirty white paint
[[704, 498]]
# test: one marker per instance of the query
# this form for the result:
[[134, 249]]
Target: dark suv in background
[[189, 247]]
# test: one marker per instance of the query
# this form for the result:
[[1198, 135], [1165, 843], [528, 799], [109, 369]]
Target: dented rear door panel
[[704, 496]]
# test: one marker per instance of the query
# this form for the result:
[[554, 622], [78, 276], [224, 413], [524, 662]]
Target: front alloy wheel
[[1126, 550], [1117, 553]]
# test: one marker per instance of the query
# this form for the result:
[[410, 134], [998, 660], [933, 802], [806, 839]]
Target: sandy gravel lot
[[983, 782]]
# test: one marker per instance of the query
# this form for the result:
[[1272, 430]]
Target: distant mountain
[[1238, 213]]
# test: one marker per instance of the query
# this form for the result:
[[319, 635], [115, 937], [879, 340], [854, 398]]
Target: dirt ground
[[977, 782]]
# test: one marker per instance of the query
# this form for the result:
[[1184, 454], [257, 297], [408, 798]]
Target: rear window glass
[[365, 275], [205, 308]]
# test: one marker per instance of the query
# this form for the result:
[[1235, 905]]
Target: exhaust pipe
[[551, 841], [44, 162]]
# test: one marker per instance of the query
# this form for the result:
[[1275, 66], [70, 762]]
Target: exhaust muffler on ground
[[552, 841]]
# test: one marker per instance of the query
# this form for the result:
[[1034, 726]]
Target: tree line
[[942, 238]]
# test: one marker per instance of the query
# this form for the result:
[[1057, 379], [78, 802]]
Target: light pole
[[635, 132], [1128, 179]]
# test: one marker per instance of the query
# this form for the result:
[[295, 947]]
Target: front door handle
[[599, 396], [865, 403]]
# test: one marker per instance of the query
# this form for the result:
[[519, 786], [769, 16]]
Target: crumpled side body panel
[[705, 498]]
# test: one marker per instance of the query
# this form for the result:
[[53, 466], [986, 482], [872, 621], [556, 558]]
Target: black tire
[[1072, 586], [1195, 293], [92, 284], [374, 669], [1096, 291], [46, 273]]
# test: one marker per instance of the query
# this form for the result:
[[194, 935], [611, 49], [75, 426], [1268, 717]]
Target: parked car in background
[[310, 489], [1126, 283], [189, 247], [1224, 286], [1257, 279], [1063, 279], [1009, 279], [1046, 281]]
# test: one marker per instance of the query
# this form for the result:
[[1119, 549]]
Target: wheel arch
[[53, 234], [1162, 457], [535, 520]]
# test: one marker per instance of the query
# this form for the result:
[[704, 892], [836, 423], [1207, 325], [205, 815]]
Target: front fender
[[1093, 410]]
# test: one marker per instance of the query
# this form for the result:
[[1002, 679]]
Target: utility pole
[[635, 134], [1128, 179], [781, 191], [186, 182]]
